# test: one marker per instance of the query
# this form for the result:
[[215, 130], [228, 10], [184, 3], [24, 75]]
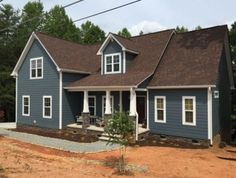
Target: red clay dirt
[[19, 159]]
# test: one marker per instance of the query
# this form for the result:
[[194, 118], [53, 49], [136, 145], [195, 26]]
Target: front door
[[141, 109]]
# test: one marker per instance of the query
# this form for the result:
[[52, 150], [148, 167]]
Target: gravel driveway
[[60, 144]]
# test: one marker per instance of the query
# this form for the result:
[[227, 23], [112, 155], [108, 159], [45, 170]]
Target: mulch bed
[[62, 134], [156, 140]]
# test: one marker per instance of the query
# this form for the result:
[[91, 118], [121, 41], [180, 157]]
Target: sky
[[146, 15]]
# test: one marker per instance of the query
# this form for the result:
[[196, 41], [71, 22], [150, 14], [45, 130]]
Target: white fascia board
[[180, 87], [100, 88], [25, 52], [105, 43]]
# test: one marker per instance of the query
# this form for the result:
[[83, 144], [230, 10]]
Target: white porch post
[[85, 104], [132, 107], [108, 102]]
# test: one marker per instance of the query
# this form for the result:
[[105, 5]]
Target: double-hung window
[[36, 68], [189, 110], [160, 109], [47, 107], [92, 105], [26, 105], [113, 63]]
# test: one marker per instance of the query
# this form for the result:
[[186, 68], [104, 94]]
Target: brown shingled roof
[[150, 48], [120, 80], [192, 58], [70, 55]]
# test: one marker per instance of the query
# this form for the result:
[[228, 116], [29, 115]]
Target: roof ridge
[[152, 33], [77, 43], [203, 29]]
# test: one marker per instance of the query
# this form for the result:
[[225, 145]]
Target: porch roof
[[98, 81]]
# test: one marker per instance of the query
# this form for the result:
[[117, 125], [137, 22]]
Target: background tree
[[90, 33], [181, 29], [232, 35], [58, 24], [32, 19], [8, 17], [125, 33], [120, 129], [198, 27]]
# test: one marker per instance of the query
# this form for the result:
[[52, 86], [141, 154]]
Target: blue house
[[176, 84]]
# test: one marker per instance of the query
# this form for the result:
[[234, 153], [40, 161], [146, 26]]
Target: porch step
[[105, 137]]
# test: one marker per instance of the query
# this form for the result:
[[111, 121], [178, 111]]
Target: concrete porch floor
[[101, 129]]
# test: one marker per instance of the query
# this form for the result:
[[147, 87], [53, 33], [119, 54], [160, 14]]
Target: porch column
[[85, 104], [132, 114], [85, 113], [108, 102], [107, 115], [132, 106]]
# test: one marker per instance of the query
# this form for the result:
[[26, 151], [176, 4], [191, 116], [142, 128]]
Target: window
[[36, 68], [92, 105], [189, 110], [47, 106], [26, 105], [113, 63], [104, 104], [160, 109]]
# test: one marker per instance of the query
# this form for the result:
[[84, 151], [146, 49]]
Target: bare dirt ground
[[18, 159]]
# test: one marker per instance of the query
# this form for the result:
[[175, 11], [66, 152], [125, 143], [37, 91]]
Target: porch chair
[[100, 122]]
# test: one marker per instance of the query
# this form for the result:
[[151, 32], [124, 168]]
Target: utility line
[[71, 4], [105, 11], [65, 6], [83, 18]]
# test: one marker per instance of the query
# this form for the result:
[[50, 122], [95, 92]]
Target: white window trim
[[35, 59], [112, 62], [95, 105], [48, 117], [194, 110], [155, 109], [112, 104], [23, 111]]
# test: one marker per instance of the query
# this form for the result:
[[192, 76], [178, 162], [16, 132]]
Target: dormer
[[115, 54]]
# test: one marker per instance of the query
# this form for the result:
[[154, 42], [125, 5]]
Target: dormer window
[[113, 63], [36, 68]]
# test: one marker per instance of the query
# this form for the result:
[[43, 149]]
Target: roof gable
[[191, 59], [25, 51], [112, 37]]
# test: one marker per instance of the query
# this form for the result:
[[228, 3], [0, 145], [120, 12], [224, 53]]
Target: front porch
[[100, 130], [101, 104]]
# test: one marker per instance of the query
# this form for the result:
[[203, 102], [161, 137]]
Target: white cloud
[[146, 27]]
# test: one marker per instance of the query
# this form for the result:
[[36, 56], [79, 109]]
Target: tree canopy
[[90, 33], [125, 33]]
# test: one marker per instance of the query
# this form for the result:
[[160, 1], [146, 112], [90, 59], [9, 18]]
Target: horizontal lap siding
[[72, 102], [36, 88], [173, 125]]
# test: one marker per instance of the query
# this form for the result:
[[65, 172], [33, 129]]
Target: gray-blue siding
[[173, 125], [114, 47], [37, 88], [72, 102]]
